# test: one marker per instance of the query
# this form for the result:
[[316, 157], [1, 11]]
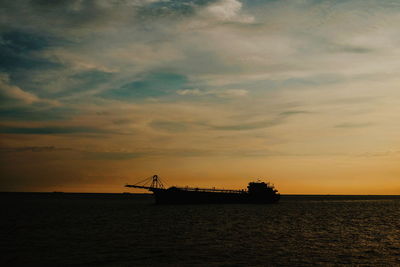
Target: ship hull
[[179, 196]]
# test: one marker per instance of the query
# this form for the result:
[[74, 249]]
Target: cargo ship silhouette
[[256, 192]]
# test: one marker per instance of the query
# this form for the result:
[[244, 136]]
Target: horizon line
[[121, 193]]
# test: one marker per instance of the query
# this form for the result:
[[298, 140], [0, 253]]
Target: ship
[[257, 192]]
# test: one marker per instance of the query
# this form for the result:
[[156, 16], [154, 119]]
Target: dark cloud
[[353, 125], [388, 153], [169, 126], [294, 112], [17, 50], [36, 113], [28, 149], [350, 49], [49, 130], [279, 119], [21, 42], [148, 154], [80, 17], [178, 9], [123, 121], [112, 155], [248, 126], [53, 16]]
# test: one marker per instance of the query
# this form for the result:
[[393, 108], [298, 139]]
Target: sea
[[71, 229]]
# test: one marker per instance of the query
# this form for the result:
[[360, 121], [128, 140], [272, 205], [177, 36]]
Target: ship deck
[[213, 190]]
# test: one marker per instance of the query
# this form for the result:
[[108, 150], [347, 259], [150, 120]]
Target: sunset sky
[[302, 93]]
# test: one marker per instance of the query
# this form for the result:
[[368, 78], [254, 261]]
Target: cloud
[[354, 125], [28, 148], [277, 120], [169, 126], [127, 155], [50, 130], [389, 153], [20, 50], [247, 126], [113, 155], [141, 79], [226, 11], [11, 94], [194, 92], [234, 93], [349, 49], [226, 93], [288, 41], [152, 85], [294, 112], [36, 113], [19, 104]]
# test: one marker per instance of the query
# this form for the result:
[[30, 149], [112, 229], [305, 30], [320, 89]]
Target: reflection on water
[[116, 229]]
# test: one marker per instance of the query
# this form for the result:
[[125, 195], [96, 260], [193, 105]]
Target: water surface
[[128, 229]]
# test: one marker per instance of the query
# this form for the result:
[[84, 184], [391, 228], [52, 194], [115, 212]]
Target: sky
[[302, 93]]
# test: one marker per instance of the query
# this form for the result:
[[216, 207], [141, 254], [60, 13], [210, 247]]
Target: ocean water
[[129, 230]]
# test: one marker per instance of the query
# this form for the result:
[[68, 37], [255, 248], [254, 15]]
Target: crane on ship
[[149, 183], [154, 183]]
